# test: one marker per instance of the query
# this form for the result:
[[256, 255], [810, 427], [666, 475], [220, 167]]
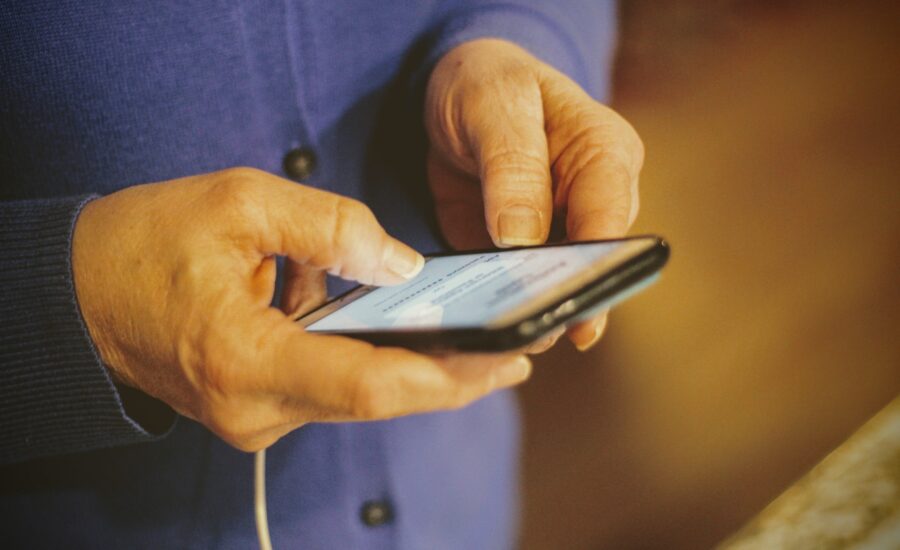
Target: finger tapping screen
[[467, 290]]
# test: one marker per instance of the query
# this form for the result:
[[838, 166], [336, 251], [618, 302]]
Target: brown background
[[773, 167]]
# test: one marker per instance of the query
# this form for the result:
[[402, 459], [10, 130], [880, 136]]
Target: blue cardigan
[[98, 95]]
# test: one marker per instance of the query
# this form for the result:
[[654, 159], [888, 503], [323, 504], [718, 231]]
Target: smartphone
[[494, 300]]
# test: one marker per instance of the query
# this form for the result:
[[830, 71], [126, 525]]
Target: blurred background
[[773, 166]]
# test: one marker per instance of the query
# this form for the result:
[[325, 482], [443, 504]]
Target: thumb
[[508, 142], [332, 233]]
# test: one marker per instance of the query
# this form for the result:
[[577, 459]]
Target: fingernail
[[519, 226], [514, 372], [590, 343], [405, 261], [598, 332]]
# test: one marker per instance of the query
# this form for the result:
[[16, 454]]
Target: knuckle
[[369, 399], [456, 393], [350, 217], [352, 221], [629, 142], [618, 166], [603, 135], [189, 275], [237, 181], [236, 189], [243, 173], [516, 82], [463, 396], [459, 398], [515, 168], [615, 158], [510, 158]]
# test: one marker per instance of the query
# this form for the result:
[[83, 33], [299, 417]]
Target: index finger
[[505, 132]]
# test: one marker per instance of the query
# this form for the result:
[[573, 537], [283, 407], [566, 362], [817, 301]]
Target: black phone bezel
[[530, 329]]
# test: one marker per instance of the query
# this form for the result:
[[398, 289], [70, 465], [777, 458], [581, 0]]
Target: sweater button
[[376, 512], [299, 163]]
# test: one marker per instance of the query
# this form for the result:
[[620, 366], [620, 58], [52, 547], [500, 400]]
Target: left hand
[[520, 145]]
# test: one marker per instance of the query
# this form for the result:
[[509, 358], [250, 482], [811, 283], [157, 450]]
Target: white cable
[[259, 500]]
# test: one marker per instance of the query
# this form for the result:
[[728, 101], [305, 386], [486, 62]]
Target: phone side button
[[528, 328], [564, 309]]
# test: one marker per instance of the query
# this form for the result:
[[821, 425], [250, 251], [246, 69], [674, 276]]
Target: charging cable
[[259, 500]]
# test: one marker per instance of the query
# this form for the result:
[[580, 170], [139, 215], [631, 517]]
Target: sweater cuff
[[56, 396], [582, 50]]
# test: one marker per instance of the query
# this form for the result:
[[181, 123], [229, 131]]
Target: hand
[[174, 281], [520, 145]]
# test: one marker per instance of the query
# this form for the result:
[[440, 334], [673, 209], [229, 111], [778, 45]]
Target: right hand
[[174, 281]]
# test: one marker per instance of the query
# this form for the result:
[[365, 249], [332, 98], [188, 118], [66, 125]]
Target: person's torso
[[97, 96]]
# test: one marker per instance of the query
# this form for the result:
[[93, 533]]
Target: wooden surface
[[773, 166]]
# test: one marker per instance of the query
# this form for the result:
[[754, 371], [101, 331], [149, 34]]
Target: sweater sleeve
[[56, 397], [577, 37]]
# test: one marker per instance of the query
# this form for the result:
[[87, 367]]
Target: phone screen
[[465, 290]]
